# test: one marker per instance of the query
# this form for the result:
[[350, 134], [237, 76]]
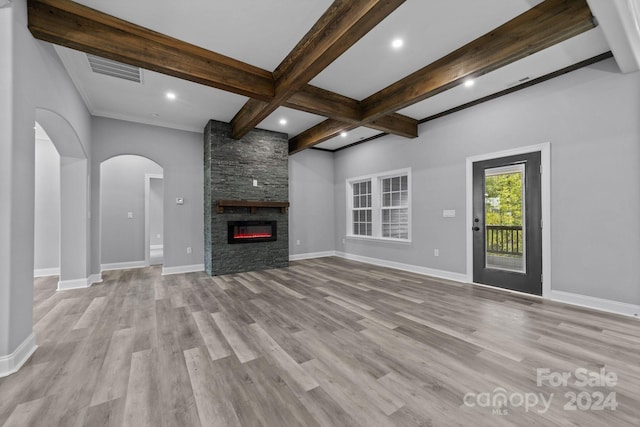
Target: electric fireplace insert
[[251, 231]]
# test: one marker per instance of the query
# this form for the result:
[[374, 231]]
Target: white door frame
[[147, 234], [545, 158]]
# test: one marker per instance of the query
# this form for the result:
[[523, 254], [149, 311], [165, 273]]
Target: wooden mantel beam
[[549, 23], [341, 26]]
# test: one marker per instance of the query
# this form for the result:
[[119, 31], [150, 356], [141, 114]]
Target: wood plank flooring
[[325, 342]]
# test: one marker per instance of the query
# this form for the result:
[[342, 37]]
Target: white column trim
[[11, 363], [65, 285]]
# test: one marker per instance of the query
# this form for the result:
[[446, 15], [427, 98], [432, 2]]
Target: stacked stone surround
[[230, 166]]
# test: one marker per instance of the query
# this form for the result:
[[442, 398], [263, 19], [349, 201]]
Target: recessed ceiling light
[[283, 122], [397, 43], [171, 95], [469, 82], [343, 134]]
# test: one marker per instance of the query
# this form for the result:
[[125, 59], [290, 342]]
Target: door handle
[[476, 228]]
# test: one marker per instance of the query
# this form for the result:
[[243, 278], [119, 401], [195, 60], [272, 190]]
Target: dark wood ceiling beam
[[549, 23], [331, 128], [322, 102], [395, 124], [341, 26], [73, 25], [317, 134], [341, 108]]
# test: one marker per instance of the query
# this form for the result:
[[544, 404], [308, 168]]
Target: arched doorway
[[131, 208], [46, 247], [74, 200]]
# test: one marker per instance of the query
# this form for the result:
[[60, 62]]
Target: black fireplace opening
[[251, 231]]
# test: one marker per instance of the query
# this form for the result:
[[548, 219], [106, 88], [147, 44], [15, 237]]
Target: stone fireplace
[[246, 194]]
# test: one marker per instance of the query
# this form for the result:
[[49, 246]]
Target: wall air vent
[[114, 69]]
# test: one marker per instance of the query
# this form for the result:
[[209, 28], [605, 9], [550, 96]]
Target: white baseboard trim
[[167, 271], [299, 257], [44, 272], [66, 285], [441, 274], [122, 265], [13, 362], [94, 278], [594, 303]]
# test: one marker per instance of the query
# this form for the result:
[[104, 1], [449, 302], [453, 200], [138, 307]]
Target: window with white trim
[[379, 206]]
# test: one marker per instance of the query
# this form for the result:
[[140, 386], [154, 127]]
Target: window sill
[[380, 239]]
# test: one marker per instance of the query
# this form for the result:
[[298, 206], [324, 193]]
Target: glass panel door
[[505, 218], [507, 226]]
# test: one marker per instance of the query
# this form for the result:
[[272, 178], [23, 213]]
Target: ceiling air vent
[[114, 69]]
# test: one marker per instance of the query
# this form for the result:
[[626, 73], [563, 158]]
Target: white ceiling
[[262, 33]]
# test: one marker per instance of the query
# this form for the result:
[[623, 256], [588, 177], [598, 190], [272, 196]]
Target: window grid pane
[[395, 191], [395, 212], [395, 223], [362, 225]]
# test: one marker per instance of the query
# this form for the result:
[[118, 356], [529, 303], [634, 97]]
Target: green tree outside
[[503, 199]]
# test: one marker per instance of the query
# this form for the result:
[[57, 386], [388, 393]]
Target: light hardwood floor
[[326, 342]]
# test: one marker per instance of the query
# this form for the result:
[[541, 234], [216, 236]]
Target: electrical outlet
[[436, 252], [129, 215], [157, 236], [189, 250], [298, 242]]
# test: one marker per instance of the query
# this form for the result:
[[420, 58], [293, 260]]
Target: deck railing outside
[[505, 239]]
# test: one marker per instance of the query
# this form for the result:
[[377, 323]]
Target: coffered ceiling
[[358, 65]]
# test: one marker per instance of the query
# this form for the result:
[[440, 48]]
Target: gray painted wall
[[31, 77], [590, 117], [122, 182], [311, 216], [47, 206], [179, 153]]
